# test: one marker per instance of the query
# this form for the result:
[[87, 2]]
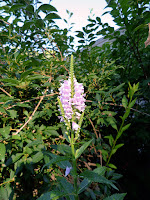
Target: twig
[[93, 128], [5, 22], [97, 138], [5, 92], [30, 100]]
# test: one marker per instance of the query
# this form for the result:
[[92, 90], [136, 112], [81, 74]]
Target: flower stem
[[74, 163]]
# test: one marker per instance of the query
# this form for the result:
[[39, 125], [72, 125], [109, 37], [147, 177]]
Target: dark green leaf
[[2, 152], [82, 148], [52, 16], [47, 7], [94, 177], [116, 197]]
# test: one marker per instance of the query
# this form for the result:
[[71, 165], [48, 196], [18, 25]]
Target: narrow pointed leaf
[[82, 148]]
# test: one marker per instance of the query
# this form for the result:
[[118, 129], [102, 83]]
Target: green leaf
[[82, 148], [116, 88], [36, 142], [14, 158], [30, 9], [100, 170], [111, 139], [47, 7], [16, 137], [5, 131], [10, 81], [27, 72], [62, 148], [84, 184], [98, 19], [39, 23], [55, 160], [126, 127], [124, 102], [112, 166], [5, 192], [80, 34], [112, 123], [66, 187], [13, 113], [2, 152], [132, 103], [118, 146], [94, 177], [126, 114], [53, 195], [116, 197], [16, 7], [37, 157], [98, 97], [52, 16]]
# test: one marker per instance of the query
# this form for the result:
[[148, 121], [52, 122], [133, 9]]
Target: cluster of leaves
[[33, 150]]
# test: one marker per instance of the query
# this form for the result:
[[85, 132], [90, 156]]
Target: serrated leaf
[[84, 184], [82, 148], [116, 197], [37, 157], [94, 177], [100, 170], [67, 187]]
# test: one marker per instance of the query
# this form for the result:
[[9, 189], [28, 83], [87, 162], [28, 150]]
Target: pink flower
[[68, 103], [75, 126]]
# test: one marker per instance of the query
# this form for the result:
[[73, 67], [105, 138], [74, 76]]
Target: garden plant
[[64, 113]]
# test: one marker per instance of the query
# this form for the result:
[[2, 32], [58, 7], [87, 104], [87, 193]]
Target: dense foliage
[[35, 58]]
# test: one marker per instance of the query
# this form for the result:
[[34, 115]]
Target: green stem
[[114, 144], [74, 163]]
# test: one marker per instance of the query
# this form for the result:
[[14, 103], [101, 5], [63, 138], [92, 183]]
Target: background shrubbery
[[35, 55]]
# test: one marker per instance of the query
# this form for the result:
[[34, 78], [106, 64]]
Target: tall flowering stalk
[[72, 102], [72, 105]]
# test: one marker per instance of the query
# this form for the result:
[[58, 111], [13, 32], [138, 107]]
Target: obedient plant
[[72, 105]]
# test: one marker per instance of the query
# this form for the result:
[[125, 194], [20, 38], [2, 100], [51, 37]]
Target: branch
[[5, 92]]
